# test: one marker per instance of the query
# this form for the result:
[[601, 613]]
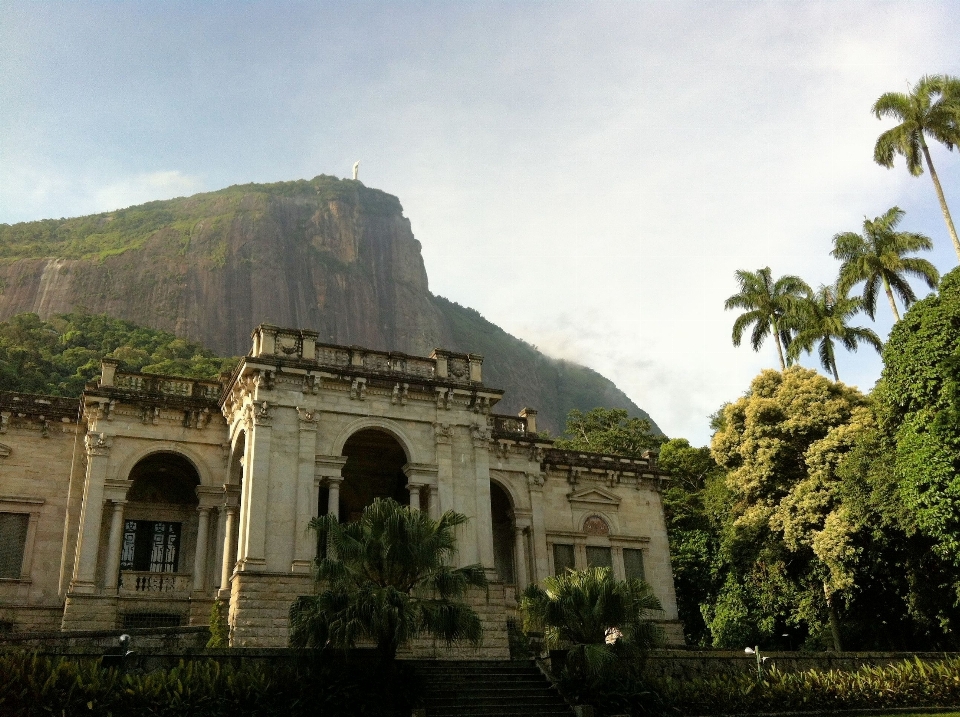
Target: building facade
[[152, 497]]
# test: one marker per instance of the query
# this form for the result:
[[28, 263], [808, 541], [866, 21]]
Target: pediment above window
[[594, 497]]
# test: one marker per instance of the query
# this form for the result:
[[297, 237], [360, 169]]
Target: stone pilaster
[[483, 518], [304, 545], [114, 545], [538, 529], [91, 515], [251, 551]]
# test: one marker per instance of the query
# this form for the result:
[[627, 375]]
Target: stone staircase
[[480, 688]]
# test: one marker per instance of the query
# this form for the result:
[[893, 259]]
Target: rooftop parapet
[[272, 342], [176, 387]]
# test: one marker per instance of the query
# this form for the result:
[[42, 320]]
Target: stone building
[[151, 497]]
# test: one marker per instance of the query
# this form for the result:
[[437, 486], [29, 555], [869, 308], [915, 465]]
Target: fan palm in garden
[[931, 108], [822, 321], [877, 258], [594, 615], [387, 578], [768, 304]]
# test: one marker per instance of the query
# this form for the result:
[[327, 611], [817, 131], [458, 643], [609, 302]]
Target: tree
[[822, 319], [608, 430], [767, 303], [877, 257], [919, 405], [931, 108], [387, 578], [695, 505], [788, 536], [596, 616]]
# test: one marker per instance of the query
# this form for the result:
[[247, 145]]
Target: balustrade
[[136, 582]]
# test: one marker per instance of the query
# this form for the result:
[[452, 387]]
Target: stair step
[[488, 689]]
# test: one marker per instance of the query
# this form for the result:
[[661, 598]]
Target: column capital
[[328, 466], [116, 490], [421, 473]]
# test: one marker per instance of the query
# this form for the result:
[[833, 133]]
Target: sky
[[588, 176]]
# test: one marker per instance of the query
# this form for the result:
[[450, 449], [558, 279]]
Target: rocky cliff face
[[326, 254]]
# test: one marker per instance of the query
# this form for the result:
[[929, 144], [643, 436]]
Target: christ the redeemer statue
[[356, 169]]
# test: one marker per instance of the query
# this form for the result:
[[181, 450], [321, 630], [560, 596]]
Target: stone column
[[200, 556], [91, 514], [414, 489], [114, 546], [520, 558], [304, 544], [333, 496], [229, 558], [434, 502], [329, 470]]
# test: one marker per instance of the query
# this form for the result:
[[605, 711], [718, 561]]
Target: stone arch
[[238, 449], [374, 468], [502, 505], [386, 426], [207, 476]]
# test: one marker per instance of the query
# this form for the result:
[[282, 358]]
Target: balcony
[[135, 583]]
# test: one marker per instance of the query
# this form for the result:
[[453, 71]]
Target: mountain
[[327, 254]]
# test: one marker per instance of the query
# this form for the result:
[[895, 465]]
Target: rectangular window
[[13, 543], [598, 557], [633, 563], [562, 558], [150, 546]]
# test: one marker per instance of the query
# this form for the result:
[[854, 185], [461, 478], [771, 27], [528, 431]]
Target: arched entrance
[[162, 502], [374, 469], [501, 510]]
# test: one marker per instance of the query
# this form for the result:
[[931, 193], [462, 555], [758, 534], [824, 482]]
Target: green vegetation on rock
[[57, 357]]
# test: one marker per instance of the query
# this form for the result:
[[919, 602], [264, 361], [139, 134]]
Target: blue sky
[[587, 175]]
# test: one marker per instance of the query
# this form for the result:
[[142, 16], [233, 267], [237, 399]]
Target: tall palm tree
[[822, 319], [932, 108], [592, 614], [387, 578], [877, 257], [768, 304]]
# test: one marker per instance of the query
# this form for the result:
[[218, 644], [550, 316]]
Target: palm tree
[[932, 108], [768, 304], [877, 257], [822, 319], [594, 615], [387, 578]]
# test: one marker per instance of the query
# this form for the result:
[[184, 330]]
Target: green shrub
[[911, 683], [325, 685]]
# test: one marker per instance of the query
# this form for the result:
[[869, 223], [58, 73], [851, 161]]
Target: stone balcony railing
[[302, 346], [149, 584], [159, 385], [509, 424]]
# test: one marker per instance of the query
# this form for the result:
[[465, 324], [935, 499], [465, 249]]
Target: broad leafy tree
[[608, 430], [930, 109], [387, 578], [788, 538], [877, 258], [767, 304], [822, 321]]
